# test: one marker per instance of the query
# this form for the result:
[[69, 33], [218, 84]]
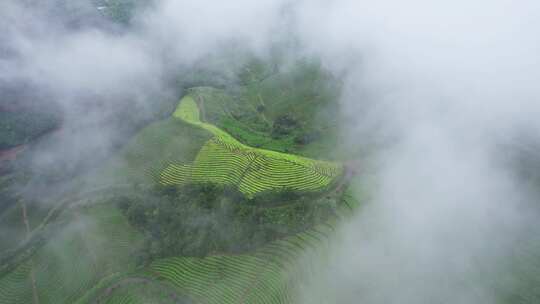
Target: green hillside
[[73, 261], [268, 275], [216, 203], [225, 160]]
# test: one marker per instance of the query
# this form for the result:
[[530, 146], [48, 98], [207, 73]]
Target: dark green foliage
[[121, 11], [293, 110], [194, 221], [283, 125], [308, 137], [256, 103], [202, 219], [253, 138], [255, 71]]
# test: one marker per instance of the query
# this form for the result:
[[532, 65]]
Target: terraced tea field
[[225, 160], [269, 275], [74, 261]]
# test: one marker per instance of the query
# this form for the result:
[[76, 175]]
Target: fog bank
[[437, 86]]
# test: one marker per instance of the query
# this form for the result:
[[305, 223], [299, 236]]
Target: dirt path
[[200, 102], [32, 272]]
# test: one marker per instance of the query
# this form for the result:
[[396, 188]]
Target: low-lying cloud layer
[[435, 85], [442, 84]]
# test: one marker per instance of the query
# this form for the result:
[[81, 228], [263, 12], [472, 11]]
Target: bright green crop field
[[225, 160]]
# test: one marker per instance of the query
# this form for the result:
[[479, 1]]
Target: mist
[[435, 88], [107, 80]]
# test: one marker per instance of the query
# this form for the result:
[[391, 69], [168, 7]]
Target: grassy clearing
[[164, 143], [188, 110]]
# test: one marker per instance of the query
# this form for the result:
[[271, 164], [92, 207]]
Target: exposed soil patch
[[10, 154]]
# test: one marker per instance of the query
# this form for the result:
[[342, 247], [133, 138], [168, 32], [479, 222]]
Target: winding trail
[[38, 236], [32, 272]]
